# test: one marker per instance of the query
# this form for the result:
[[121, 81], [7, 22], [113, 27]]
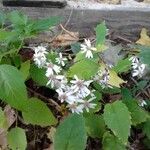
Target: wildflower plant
[[79, 87]]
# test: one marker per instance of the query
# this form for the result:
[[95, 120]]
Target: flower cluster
[[137, 67], [75, 93], [39, 56]]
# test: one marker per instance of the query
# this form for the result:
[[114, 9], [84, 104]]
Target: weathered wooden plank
[[36, 3], [122, 20]]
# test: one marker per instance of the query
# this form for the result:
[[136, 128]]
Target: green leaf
[[110, 142], [118, 119], [38, 113], [44, 24], [71, 134], [80, 56], [75, 47], [146, 128], [2, 19], [12, 87], [101, 32], [122, 66], [95, 125], [6, 35], [17, 18], [138, 115], [38, 75], [17, 139], [84, 69], [25, 69], [145, 55]]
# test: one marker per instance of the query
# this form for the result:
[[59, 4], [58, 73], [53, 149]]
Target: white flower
[[102, 78], [57, 81], [39, 56], [61, 60], [87, 48], [81, 87], [65, 96], [40, 49], [86, 104], [75, 108], [139, 71], [142, 103], [137, 67], [39, 59], [134, 59], [51, 69]]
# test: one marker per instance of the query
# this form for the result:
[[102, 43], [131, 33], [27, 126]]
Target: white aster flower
[[137, 67], [40, 49], [65, 96], [102, 78], [75, 108], [87, 48], [134, 59], [142, 103], [86, 104], [39, 59], [57, 81], [81, 87], [60, 60], [52, 69]]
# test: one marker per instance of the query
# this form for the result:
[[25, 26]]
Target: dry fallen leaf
[[65, 39], [144, 39], [10, 119], [146, 1], [115, 80]]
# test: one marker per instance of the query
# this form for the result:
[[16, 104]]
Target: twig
[[67, 31], [51, 102], [124, 39], [64, 26]]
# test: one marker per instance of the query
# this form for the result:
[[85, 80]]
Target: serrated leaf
[[145, 55], [122, 66], [17, 139], [101, 32], [12, 87], [6, 35], [18, 18], [118, 119], [144, 39], [84, 69], [25, 69], [146, 128], [71, 134], [110, 142], [115, 80], [95, 125], [138, 115], [44, 24], [37, 113], [38, 75]]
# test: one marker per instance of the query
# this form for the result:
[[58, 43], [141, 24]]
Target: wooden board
[[35, 3], [123, 21]]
